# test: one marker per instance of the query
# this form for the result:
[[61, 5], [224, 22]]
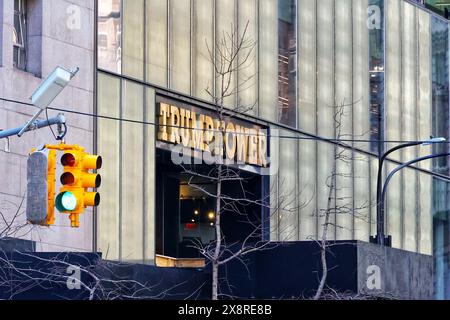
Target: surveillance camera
[[51, 87]]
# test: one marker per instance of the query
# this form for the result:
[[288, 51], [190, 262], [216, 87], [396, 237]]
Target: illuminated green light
[[66, 201]]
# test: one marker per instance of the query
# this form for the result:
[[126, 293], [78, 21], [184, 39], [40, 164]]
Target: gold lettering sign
[[202, 132]]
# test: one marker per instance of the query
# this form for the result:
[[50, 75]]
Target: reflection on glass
[[109, 35], [287, 62], [442, 7], [441, 189], [20, 35], [376, 71]]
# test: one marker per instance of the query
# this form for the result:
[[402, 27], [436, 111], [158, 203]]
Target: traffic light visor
[[92, 199], [66, 201], [91, 180], [92, 162]]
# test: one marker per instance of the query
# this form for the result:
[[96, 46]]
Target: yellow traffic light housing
[[78, 182], [77, 179]]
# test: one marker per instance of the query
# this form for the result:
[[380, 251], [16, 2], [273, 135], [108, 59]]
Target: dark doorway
[[186, 208]]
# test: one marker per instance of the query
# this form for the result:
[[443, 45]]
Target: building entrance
[[186, 208]]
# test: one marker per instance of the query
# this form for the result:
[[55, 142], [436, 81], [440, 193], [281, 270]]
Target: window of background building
[[110, 35], [287, 62], [376, 71], [20, 34]]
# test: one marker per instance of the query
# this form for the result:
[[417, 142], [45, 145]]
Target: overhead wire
[[294, 136]]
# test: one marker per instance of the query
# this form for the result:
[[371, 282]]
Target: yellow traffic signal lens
[[66, 201], [67, 178], [68, 160]]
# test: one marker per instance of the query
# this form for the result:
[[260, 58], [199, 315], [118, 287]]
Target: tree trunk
[[215, 262], [323, 242], [215, 281]]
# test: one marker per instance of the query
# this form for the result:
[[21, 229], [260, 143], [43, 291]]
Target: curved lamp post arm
[[407, 164], [380, 209], [380, 218], [384, 157]]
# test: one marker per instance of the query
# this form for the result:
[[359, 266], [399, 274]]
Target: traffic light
[[77, 180], [41, 166]]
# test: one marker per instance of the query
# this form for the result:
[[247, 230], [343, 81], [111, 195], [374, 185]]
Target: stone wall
[[60, 33]]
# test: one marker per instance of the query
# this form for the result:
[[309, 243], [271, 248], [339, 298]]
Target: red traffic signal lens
[[67, 178], [68, 160]]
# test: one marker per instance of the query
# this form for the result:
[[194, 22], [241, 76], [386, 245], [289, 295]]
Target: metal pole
[[391, 175], [38, 124], [380, 209]]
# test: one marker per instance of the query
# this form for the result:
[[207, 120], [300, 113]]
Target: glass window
[[440, 89], [440, 6], [133, 39], [441, 189], [110, 35], [20, 35], [376, 68], [287, 62]]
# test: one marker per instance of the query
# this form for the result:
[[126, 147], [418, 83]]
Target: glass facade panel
[[344, 118], [287, 62], [149, 177], [400, 112], [225, 19], [425, 218], [248, 75], [424, 84], [288, 195], [157, 38], [411, 198], [393, 73], [108, 137], [268, 60], [307, 118], [132, 167], [325, 107], [180, 46], [394, 209], [203, 33], [307, 189], [362, 95], [362, 197], [409, 124], [109, 41], [133, 39]]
